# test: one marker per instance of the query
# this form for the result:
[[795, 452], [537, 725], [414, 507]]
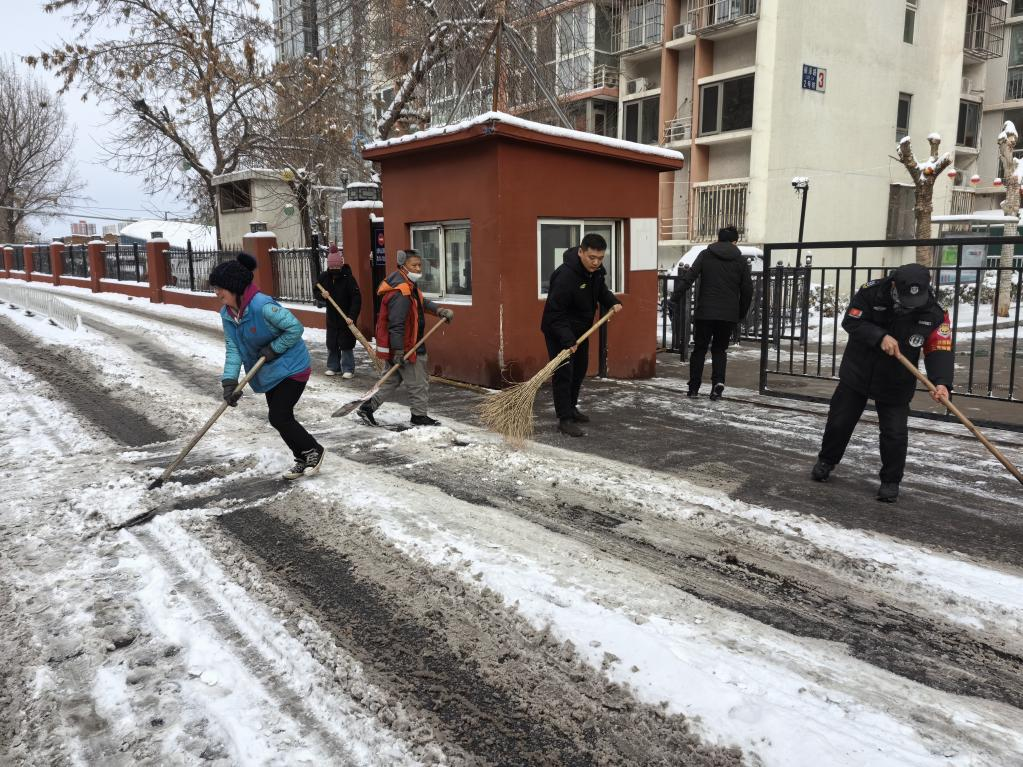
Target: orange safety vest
[[383, 331]]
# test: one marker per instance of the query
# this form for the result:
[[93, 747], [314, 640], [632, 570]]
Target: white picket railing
[[41, 303]]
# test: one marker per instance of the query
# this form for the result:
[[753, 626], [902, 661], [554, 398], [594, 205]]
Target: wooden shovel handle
[[955, 411], [596, 325]]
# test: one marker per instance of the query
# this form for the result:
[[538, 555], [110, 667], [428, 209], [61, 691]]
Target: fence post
[[156, 258], [135, 258], [776, 302], [191, 266], [765, 318], [30, 261], [258, 244], [682, 318], [8, 260], [56, 260], [96, 253]]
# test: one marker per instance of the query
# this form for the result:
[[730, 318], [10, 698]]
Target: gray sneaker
[[307, 465]]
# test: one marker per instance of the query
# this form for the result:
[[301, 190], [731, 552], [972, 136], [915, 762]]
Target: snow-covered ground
[[206, 636]]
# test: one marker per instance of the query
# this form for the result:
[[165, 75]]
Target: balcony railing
[[605, 77], [676, 228], [985, 34], [719, 205], [963, 202], [711, 15], [679, 129]]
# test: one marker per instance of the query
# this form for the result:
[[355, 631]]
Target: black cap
[[913, 283]]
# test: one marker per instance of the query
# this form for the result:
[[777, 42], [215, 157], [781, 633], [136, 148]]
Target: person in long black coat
[[577, 288], [340, 283], [725, 293]]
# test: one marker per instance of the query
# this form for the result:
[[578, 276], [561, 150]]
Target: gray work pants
[[417, 386]]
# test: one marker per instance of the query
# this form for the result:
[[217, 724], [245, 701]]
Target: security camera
[[800, 182]]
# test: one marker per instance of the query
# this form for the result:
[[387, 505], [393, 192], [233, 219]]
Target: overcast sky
[[26, 29]]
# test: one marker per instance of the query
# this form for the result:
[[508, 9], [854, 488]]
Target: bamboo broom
[[377, 362], [510, 412]]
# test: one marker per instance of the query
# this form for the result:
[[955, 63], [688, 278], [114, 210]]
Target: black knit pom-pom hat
[[234, 276]]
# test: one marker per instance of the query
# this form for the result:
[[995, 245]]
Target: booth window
[[555, 236], [236, 195], [446, 248]]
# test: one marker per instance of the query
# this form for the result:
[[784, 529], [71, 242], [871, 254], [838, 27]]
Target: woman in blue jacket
[[257, 326]]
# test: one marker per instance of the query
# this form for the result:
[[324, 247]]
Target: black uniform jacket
[[871, 316], [343, 288], [726, 287], [572, 300]]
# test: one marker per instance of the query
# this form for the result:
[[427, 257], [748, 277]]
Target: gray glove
[[268, 352], [398, 358], [446, 314], [229, 396]]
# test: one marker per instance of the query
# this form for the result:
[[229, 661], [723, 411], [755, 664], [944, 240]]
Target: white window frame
[[614, 260], [441, 227]]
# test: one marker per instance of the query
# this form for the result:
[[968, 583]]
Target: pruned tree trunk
[[924, 176], [1010, 168]]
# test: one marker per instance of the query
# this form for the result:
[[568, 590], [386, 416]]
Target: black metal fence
[[41, 259], [75, 261], [18, 264], [296, 270], [126, 263], [801, 344], [676, 311], [190, 269]]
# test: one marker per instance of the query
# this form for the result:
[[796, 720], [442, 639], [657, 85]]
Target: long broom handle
[[596, 325], [377, 363], [965, 421], [213, 418], [344, 409]]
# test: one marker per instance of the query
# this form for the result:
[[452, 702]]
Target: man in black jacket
[[896, 313], [576, 289], [726, 290], [340, 283]]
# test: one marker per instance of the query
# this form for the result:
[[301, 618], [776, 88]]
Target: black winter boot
[[423, 420], [365, 412], [717, 390], [580, 417], [570, 427], [821, 471], [888, 492]]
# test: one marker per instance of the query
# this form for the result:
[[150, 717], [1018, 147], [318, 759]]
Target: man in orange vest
[[400, 325]]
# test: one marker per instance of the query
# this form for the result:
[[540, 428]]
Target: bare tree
[[923, 175], [1011, 171], [188, 84], [36, 176]]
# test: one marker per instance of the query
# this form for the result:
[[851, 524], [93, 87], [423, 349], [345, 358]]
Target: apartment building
[[757, 92]]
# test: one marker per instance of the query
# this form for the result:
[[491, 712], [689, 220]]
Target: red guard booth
[[492, 204]]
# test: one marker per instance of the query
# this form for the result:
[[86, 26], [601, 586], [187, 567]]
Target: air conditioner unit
[[632, 87]]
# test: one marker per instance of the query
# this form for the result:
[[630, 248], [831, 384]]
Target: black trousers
[[280, 402], [715, 334], [846, 408], [568, 378]]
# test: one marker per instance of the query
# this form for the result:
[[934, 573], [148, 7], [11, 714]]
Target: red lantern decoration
[[997, 182], [974, 180], [952, 173]]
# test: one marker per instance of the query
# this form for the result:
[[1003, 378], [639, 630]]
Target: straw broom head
[[510, 412]]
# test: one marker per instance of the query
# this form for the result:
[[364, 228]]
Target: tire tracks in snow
[[798, 598]]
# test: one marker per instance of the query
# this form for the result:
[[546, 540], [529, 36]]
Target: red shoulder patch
[[855, 313]]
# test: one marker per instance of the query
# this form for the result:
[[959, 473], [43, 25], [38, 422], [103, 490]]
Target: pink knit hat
[[334, 257]]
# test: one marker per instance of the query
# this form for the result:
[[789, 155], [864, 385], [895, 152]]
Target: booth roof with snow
[[492, 203]]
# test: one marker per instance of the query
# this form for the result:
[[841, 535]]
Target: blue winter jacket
[[263, 321]]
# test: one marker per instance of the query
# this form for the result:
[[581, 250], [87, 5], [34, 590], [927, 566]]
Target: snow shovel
[[220, 411], [349, 407], [377, 362], [965, 421]]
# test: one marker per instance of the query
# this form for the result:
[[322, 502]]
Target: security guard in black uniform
[[898, 312]]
